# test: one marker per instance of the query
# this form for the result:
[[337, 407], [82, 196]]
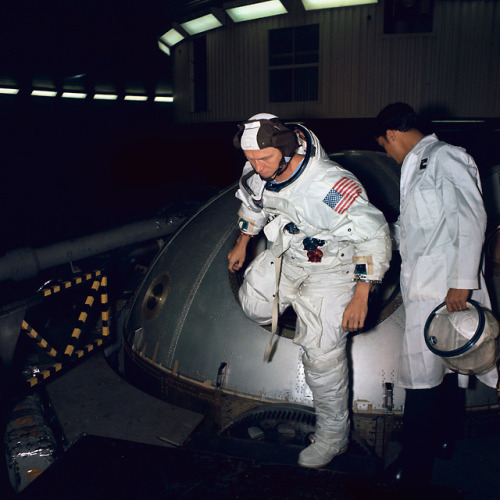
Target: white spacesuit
[[441, 229], [329, 237]]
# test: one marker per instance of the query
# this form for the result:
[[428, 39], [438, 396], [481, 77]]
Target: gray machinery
[[187, 340]]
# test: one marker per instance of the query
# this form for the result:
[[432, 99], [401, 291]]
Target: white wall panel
[[455, 68]]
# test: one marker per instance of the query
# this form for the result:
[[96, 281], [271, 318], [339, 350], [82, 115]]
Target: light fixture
[[164, 98], [163, 46], [44, 93], [74, 95], [136, 98], [8, 91], [246, 10], [172, 36], [457, 121], [331, 4], [204, 23], [106, 97]]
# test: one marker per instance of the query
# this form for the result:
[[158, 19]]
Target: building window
[[408, 16], [200, 78], [293, 64]]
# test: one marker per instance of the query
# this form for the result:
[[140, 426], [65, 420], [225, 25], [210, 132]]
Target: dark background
[[74, 167]]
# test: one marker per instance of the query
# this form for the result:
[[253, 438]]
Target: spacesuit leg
[[327, 377], [258, 290]]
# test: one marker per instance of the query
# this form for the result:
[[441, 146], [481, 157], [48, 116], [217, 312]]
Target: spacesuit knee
[[322, 362], [255, 305], [259, 288]]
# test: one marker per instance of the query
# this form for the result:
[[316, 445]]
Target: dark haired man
[[440, 232], [328, 244]]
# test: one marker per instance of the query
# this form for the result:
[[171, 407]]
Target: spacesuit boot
[[327, 378]]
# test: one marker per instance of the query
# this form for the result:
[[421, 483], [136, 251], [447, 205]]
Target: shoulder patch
[[423, 163], [242, 224], [342, 195]]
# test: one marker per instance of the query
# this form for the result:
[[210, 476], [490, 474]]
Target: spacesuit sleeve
[[458, 182], [371, 239], [349, 216], [251, 217]]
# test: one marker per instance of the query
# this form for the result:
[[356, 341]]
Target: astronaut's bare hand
[[238, 253], [357, 309], [456, 299], [236, 258], [354, 315]]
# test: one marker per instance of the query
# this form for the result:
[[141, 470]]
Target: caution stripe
[[72, 352], [82, 319], [68, 284], [41, 342], [43, 375], [89, 348], [104, 306]]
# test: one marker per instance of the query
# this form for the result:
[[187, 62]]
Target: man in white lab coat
[[330, 243], [440, 232]]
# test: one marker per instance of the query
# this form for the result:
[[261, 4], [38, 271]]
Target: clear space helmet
[[467, 341]]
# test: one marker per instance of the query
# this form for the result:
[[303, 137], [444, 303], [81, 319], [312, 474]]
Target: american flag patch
[[342, 195]]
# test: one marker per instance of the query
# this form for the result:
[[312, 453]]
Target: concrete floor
[[93, 399], [123, 442]]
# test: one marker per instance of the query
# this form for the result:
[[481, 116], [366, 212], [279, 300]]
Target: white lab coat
[[440, 232]]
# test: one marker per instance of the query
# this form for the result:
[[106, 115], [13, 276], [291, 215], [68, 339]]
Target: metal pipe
[[25, 262]]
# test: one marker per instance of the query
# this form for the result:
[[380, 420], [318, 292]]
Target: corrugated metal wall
[[455, 68]]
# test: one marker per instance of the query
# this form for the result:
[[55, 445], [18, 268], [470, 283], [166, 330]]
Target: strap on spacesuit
[[244, 182], [276, 306]]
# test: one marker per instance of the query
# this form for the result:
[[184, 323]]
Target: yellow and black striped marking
[[56, 367], [82, 318], [72, 352], [104, 306], [68, 284], [89, 348], [32, 333], [45, 374]]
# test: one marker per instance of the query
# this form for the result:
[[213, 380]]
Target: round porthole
[[155, 296]]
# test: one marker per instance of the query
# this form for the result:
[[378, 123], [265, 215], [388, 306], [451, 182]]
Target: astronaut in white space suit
[[328, 245], [440, 232]]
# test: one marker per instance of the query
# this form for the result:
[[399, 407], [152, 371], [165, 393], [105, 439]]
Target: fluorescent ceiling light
[[106, 97], [201, 24], [330, 4], [457, 121], [8, 91], [163, 47], [136, 97], [74, 95], [171, 37], [254, 11], [160, 98], [44, 93]]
